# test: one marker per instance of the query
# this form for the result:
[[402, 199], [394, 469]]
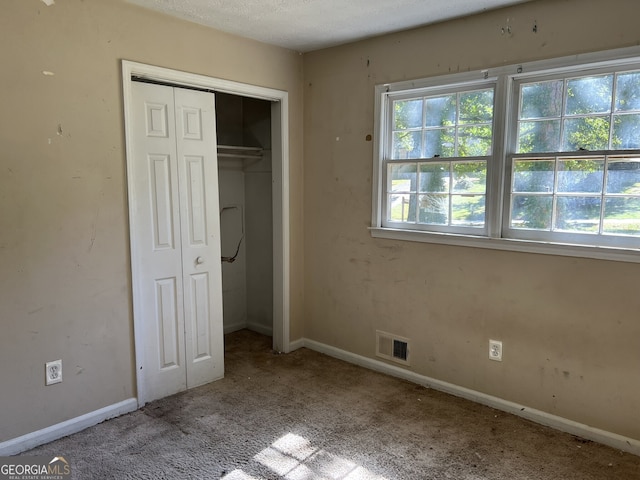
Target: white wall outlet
[[495, 350], [53, 372]]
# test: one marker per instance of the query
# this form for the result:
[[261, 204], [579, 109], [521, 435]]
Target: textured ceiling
[[306, 25]]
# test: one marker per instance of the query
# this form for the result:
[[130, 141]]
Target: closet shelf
[[233, 151]]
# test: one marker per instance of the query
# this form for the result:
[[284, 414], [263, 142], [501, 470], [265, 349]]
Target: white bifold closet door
[[176, 238]]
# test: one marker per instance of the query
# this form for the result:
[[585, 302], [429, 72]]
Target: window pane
[[402, 208], [533, 175], [541, 100], [407, 145], [589, 95], [628, 92], [434, 177], [588, 133], [626, 131], [407, 114], [541, 136], [531, 212], [470, 177], [622, 216], [441, 111], [578, 214], [434, 209], [476, 107], [402, 177], [624, 177], [474, 141], [580, 175], [468, 210], [440, 143]]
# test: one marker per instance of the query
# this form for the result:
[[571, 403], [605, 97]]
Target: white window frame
[[497, 234], [461, 87]]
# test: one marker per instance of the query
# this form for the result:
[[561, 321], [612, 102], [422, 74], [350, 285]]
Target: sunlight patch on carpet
[[293, 457]]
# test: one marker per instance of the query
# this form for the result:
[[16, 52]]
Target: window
[[437, 170], [586, 198], [536, 157]]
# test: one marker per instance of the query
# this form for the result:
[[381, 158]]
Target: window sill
[[507, 244]]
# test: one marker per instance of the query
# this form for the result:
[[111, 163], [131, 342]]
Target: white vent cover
[[392, 347]]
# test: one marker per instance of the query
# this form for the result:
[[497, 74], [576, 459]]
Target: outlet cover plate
[[53, 372], [495, 350]]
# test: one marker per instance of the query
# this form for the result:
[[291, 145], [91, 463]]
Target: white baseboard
[[296, 344], [234, 328], [559, 423], [254, 327], [261, 329], [74, 425]]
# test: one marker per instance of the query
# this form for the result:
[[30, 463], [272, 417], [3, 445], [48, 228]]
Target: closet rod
[[231, 151], [237, 147], [237, 155]]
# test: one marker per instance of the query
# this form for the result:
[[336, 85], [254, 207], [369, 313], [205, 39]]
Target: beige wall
[[65, 288], [570, 326]]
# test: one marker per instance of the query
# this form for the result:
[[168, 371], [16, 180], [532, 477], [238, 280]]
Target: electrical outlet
[[53, 372], [495, 350]]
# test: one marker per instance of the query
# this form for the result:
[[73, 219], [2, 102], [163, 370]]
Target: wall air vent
[[392, 347]]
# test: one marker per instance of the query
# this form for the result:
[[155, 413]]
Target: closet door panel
[[155, 240], [200, 229], [197, 208]]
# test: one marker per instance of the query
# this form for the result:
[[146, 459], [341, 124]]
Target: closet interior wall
[[246, 219]]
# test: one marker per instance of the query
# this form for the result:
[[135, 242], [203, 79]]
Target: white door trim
[[280, 150]]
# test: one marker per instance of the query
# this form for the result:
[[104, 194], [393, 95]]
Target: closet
[[246, 217], [196, 210], [175, 248]]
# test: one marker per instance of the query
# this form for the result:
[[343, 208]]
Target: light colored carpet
[[306, 416]]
